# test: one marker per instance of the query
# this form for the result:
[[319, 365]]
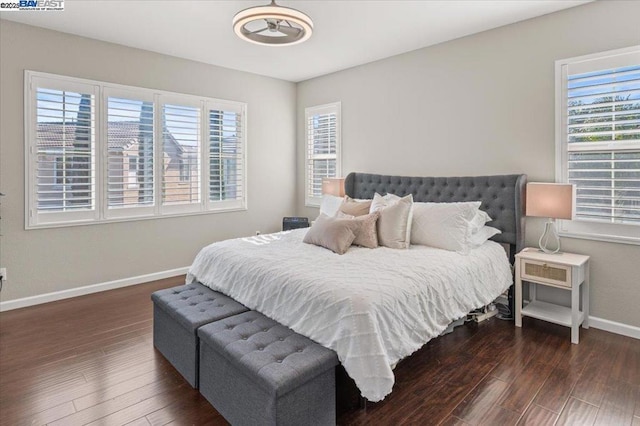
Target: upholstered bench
[[255, 371], [177, 314]]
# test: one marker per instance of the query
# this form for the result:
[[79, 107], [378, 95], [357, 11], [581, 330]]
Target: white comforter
[[372, 307]]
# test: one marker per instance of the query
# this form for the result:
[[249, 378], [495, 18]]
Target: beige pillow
[[394, 224], [380, 201], [366, 234], [332, 233], [355, 208]]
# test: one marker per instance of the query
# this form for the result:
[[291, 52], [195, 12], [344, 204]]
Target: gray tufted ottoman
[[177, 314], [255, 371]]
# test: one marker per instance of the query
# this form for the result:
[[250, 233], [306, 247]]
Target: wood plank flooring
[[90, 360]]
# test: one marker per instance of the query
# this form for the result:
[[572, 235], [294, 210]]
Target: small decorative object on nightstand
[[565, 271]]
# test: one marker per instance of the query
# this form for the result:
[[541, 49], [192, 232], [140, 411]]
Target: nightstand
[[566, 271]]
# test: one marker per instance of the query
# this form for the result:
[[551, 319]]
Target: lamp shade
[[333, 186], [552, 200]]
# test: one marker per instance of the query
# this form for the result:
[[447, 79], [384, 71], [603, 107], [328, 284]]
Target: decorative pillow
[[394, 224], [380, 201], [332, 233], [355, 208], [443, 225], [366, 234], [330, 204], [479, 238], [479, 220]]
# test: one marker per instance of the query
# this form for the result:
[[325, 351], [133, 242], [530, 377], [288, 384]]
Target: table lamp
[[553, 201], [333, 186]]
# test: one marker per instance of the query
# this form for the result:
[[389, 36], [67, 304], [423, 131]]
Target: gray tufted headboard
[[502, 197]]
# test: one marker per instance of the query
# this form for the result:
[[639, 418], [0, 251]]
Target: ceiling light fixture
[[272, 25]]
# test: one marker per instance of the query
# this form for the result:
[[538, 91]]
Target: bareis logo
[[32, 5], [41, 3]]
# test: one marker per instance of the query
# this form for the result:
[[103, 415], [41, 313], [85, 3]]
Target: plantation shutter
[[130, 151], [226, 154], [99, 152], [181, 128], [323, 148], [602, 125], [63, 151]]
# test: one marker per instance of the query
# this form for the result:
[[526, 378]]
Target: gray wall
[[482, 104], [42, 261]]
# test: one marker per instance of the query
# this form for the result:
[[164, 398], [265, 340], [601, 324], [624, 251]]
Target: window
[[64, 150], [58, 172], [184, 170], [181, 129], [130, 150], [323, 149], [133, 173], [99, 152], [598, 139], [226, 153]]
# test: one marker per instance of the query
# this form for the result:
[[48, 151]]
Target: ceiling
[[346, 32]]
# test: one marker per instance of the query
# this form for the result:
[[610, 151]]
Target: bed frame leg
[[363, 403]]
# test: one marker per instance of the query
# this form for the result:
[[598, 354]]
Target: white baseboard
[[89, 289], [614, 327], [595, 322], [611, 326]]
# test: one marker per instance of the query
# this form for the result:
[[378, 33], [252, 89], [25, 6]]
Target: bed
[[373, 307]]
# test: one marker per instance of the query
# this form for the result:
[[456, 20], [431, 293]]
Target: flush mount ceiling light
[[272, 25]]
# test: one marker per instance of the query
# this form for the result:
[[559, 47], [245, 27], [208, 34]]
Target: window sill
[[130, 219], [315, 202], [598, 237], [600, 231]]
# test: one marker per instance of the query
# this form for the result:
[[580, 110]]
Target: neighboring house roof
[[121, 135]]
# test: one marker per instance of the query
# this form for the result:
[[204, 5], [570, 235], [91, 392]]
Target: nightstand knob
[[545, 266]]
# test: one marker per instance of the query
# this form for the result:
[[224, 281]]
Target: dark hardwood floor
[[90, 360]]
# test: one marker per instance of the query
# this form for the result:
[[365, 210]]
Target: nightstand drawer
[[549, 273]]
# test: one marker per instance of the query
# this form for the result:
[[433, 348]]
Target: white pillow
[[479, 238], [330, 204], [394, 223], [443, 225], [479, 220]]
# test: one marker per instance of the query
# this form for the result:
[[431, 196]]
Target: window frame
[[101, 212], [583, 229], [333, 107], [125, 212], [239, 108], [31, 152], [179, 101]]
